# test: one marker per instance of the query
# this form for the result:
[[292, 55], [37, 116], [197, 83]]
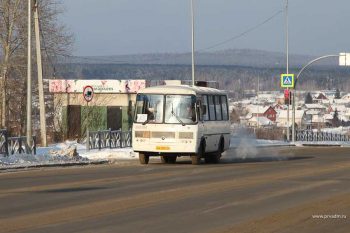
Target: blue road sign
[[287, 80]]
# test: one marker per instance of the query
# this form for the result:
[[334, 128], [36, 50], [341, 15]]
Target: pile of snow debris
[[53, 155]]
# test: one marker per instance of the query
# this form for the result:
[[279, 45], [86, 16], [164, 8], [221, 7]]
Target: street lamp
[[287, 65], [192, 17], [343, 61]]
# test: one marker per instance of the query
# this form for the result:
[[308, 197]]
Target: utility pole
[[40, 77], [29, 78], [287, 48], [192, 16]]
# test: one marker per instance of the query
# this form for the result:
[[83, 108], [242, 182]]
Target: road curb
[[268, 146], [56, 165]]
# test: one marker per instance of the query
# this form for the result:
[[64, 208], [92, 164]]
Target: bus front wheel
[[164, 159], [196, 158], [168, 159], [144, 159]]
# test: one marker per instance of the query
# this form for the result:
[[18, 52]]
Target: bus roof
[[181, 89]]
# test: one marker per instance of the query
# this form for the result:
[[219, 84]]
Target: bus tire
[[172, 159], [144, 158], [217, 156], [209, 158], [196, 158], [164, 159]]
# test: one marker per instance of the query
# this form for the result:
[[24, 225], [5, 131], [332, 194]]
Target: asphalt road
[[281, 190]]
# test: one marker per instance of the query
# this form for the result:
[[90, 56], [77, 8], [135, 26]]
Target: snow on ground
[[339, 130], [324, 143], [63, 154], [71, 152], [110, 154]]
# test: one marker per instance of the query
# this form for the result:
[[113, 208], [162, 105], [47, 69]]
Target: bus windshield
[[179, 109], [149, 108]]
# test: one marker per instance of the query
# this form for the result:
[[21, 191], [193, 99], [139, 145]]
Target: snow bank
[[111, 155], [69, 152]]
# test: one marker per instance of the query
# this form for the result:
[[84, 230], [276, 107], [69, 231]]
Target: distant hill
[[234, 70], [232, 57]]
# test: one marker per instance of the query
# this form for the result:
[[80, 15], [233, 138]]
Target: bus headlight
[[142, 134]]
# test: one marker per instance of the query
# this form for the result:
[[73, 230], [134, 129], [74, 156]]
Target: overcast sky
[[114, 27]]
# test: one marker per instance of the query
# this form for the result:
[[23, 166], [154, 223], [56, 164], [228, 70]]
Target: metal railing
[[19, 145], [15, 145], [310, 136], [108, 139], [3, 142]]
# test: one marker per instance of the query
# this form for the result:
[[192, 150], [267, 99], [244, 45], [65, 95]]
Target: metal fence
[[310, 136], [108, 139], [19, 145], [3, 142], [15, 145]]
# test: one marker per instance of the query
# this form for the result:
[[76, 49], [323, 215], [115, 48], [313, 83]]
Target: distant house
[[317, 121], [260, 111], [346, 97], [278, 107], [339, 108], [321, 96], [300, 118], [270, 114], [260, 122], [316, 107], [280, 99]]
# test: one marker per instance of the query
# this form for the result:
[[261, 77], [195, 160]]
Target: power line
[[243, 33], [240, 35]]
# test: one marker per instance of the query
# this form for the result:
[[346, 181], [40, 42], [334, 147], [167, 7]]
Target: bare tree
[[56, 40], [9, 40]]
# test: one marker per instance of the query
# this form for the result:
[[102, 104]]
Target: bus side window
[[211, 108], [199, 110], [205, 111], [224, 108], [218, 108]]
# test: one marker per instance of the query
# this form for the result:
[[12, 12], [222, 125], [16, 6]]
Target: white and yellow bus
[[172, 121]]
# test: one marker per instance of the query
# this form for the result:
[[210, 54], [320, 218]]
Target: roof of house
[[315, 106], [283, 114], [339, 108], [257, 109], [263, 121]]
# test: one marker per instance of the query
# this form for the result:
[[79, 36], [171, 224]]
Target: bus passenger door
[[201, 125]]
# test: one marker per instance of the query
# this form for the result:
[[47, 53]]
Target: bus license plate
[[162, 148]]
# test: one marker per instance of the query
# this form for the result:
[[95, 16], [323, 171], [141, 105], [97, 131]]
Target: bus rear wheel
[[217, 156], [172, 159], [144, 158]]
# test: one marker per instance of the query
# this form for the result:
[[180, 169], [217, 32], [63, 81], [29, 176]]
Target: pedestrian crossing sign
[[287, 80]]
